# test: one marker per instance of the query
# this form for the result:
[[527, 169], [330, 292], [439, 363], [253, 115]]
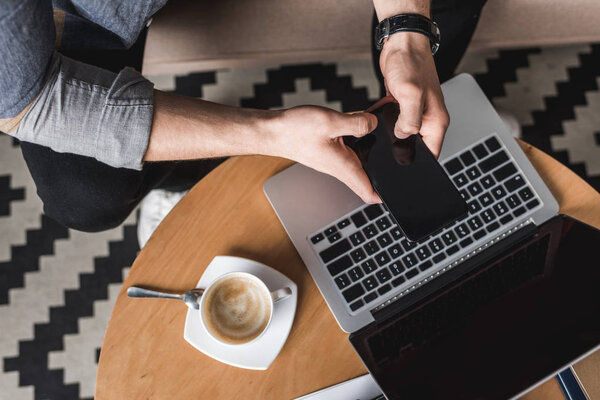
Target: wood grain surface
[[144, 355]]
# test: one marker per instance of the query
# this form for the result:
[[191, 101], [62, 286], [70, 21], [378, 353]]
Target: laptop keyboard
[[368, 257]]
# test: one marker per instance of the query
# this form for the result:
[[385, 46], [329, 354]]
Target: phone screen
[[411, 183]]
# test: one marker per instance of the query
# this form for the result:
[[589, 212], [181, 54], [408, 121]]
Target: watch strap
[[408, 23]]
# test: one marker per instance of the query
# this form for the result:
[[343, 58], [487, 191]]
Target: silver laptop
[[361, 261]]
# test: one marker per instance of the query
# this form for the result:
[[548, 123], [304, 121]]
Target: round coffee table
[[144, 354]]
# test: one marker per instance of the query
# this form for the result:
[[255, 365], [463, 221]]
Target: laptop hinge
[[454, 271]]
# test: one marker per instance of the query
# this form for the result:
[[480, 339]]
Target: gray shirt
[[75, 107]]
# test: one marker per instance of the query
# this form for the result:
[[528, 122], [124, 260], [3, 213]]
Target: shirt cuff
[[86, 110]]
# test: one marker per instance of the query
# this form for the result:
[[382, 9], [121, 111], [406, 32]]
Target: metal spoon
[[191, 298]]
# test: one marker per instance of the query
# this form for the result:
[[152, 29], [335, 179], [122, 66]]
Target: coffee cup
[[237, 308]]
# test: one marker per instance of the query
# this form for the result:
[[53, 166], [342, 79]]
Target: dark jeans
[[457, 20], [87, 195]]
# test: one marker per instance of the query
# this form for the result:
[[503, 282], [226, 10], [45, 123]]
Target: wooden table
[[144, 355]]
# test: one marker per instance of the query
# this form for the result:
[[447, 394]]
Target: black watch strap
[[408, 23]]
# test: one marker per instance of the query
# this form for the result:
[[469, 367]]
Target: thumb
[[356, 124]]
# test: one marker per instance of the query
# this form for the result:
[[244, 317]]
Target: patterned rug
[[49, 348]]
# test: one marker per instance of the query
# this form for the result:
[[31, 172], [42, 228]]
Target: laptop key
[[408, 245], [397, 268], [448, 238], [317, 238], [436, 245], [423, 253], [452, 249], [358, 219], [383, 223], [506, 219], [384, 289], [461, 230], [371, 247], [356, 305], [342, 281], [396, 233], [358, 255], [335, 251], [395, 251], [532, 204], [492, 227], [475, 223], [398, 281], [500, 208], [464, 194], [330, 231], [474, 206], [384, 240], [355, 274], [339, 265], [526, 194], [370, 297], [370, 231], [480, 151], [488, 216], [473, 173], [453, 166], [475, 189], [369, 266], [460, 180], [382, 258], [343, 223], [487, 181], [492, 144], [336, 236], [519, 211], [498, 192], [467, 158], [410, 260], [514, 183], [411, 273], [513, 201], [486, 199], [357, 238], [504, 172], [438, 258], [465, 242], [493, 161], [353, 292], [426, 265], [383, 275], [479, 234], [373, 211], [370, 282]]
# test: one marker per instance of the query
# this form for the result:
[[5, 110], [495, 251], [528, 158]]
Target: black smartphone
[[411, 183]]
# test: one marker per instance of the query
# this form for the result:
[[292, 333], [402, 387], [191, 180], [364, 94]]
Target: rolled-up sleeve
[[86, 110]]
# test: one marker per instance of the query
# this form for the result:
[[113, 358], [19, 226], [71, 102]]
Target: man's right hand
[[313, 136]]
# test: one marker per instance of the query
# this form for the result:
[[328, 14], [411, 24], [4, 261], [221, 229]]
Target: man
[[92, 138]]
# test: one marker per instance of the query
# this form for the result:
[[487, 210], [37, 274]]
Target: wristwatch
[[408, 23]]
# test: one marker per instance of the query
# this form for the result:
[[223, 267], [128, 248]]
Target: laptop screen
[[511, 322]]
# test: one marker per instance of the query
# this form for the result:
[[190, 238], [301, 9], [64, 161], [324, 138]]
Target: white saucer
[[260, 353]]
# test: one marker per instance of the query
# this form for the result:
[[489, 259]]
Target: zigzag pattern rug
[[49, 349]]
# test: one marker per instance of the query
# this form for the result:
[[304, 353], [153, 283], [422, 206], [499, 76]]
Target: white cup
[[274, 296]]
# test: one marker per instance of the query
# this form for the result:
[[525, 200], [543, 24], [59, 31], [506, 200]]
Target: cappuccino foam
[[237, 309]]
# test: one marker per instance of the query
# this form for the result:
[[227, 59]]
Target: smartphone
[[411, 183]]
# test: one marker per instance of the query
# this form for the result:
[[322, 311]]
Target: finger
[[357, 124], [433, 130], [410, 100], [350, 172], [380, 102]]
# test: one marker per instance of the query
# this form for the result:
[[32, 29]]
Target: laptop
[[373, 278]]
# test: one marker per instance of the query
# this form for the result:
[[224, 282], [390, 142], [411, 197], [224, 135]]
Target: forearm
[[188, 128], [389, 8]]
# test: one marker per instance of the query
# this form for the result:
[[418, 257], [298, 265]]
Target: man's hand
[[313, 136], [411, 79]]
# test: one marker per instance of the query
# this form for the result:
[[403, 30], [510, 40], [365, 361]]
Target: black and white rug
[[58, 286]]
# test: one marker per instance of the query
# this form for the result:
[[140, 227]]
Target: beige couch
[[199, 35]]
